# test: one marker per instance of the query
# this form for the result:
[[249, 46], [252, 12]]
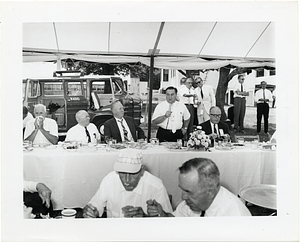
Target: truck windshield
[[53, 89], [74, 89]]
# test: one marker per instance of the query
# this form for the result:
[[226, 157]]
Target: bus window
[[102, 87], [53, 89], [74, 89]]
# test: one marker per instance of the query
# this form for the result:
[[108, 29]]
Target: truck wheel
[[100, 126]]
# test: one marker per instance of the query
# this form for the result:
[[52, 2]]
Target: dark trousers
[[34, 201], [191, 109], [239, 112], [165, 135], [262, 109]]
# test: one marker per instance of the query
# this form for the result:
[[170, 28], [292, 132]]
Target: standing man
[[202, 194], [122, 128], [84, 131], [263, 96], [240, 93], [205, 100], [187, 96], [172, 117], [41, 130]]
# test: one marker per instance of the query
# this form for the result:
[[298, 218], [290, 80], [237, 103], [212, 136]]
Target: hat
[[129, 160]]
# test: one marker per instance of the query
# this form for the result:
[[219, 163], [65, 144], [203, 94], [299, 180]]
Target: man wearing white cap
[[125, 191]]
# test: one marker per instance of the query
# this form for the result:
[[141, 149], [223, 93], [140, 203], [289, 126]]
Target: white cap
[[129, 161]]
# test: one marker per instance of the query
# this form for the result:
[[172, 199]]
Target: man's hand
[[89, 211], [154, 209], [130, 212], [213, 135], [183, 130], [44, 193], [40, 121], [36, 124], [168, 114]]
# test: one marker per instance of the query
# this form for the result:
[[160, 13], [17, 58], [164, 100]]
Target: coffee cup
[[68, 213]]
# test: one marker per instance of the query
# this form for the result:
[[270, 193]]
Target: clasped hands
[[154, 209], [39, 123]]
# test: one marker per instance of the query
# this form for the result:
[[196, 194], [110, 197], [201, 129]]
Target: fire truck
[[68, 92]]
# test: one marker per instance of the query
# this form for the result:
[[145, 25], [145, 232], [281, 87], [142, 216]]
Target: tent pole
[[150, 95]]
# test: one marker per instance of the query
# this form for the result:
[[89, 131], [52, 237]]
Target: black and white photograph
[[143, 126]]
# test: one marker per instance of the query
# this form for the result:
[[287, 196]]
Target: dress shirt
[[208, 99], [49, 125], [113, 195], [175, 121], [213, 128], [29, 186], [77, 133], [260, 94], [237, 87], [184, 90], [129, 135], [224, 204], [27, 118]]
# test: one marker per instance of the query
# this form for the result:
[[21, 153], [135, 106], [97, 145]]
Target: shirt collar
[[138, 189], [216, 204]]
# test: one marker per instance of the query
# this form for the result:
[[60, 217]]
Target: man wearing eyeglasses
[[240, 94], [214, 127]]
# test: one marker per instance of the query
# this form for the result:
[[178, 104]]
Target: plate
[[27, 149], [238, 145], [40, 145], [118, 146], [263, 195], [223, 147], [51, 147]]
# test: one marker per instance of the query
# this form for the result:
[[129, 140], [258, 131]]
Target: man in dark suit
[[214, 127], [122, 128]]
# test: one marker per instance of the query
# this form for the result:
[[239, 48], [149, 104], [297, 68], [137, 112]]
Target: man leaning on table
[[202, 194], [125, 191], [172, 117], [84, 132], [41, 130]]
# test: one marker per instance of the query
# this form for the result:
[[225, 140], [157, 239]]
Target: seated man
[[37, 198], [41, 130], [125, 191], [84, 131], [199, 180], [214, 127], [121, 128]]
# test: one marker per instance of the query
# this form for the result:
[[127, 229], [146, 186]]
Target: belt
[[168, 130]]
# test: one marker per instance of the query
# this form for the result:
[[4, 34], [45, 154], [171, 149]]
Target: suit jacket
[[111, 129], [206, 127]]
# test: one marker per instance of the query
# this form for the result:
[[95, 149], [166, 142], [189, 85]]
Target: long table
[[75, 176]]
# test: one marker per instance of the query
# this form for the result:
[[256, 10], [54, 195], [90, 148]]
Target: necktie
[[189, 97], [202, 214], [242, 88], [87, 134], [264, 95], [201, 93], [124, 130], [215, 129]]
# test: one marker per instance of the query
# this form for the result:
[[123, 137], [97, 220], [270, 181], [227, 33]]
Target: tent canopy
[[185, 45]]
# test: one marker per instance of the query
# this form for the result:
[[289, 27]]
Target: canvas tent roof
[[185, 45]]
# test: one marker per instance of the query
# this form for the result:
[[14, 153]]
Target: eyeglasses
[[216, 115]]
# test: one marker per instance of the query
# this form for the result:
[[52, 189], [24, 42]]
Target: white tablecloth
[[74, 177]]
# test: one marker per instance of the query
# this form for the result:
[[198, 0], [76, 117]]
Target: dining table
[[74, 175]]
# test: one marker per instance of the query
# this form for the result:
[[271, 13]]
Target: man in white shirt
[[84, 132], [205, 100], [187, 96], [240, 94], [36, 198], [172, 117], [263, 97], [41, 130], [199, 180], [125, 191]]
